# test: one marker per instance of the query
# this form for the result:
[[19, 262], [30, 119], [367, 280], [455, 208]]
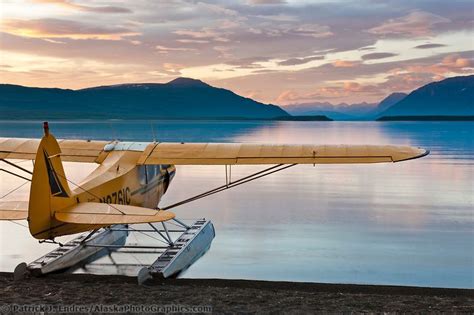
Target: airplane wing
[[215, 153], [239, 154], [13, 210], [93, 213], [72, 150]]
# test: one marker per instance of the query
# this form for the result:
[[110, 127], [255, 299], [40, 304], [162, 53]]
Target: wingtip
[[423, 154]]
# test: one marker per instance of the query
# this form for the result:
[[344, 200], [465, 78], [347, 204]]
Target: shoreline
[[247, 296]]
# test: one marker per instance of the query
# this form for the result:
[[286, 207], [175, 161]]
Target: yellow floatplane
[[127, 186]]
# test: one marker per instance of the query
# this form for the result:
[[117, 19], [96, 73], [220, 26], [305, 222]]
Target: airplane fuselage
[[119, 180]]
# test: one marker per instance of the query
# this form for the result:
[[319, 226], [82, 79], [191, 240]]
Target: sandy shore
[[120, 293]]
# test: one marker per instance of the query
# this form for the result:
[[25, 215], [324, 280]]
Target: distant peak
[[392, 99], [187, 82]]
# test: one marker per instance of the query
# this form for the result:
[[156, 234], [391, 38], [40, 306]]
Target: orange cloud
[[56, 28], [341, 90], [354, 87], [74, 6], [287, 96], [454, 61], [416, 23], [165, 49], [253, 94], [345, 63], [450, 64], [173, 68], [407, 82], [328, 92]]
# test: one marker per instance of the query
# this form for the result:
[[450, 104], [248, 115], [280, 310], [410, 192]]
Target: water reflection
[[160, 130], [406, 223]]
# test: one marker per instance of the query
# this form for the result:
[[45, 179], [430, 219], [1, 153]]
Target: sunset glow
[[279, 52]]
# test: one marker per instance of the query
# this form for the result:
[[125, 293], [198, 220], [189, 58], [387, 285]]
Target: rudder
[[49, 190]]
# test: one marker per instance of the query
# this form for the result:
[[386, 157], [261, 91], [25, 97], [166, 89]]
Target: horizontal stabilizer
[[13, 210], [94, 213]]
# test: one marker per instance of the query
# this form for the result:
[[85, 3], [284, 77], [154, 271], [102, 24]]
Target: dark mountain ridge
[[180, 98], [449, 97], [389, 101], [185, 98]]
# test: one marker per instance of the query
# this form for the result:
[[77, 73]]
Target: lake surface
[[407, 223]]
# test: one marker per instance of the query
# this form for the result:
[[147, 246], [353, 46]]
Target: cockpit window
[[152, 171], [142, 174]]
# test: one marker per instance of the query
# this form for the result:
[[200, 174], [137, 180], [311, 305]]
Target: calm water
[[407, 223]]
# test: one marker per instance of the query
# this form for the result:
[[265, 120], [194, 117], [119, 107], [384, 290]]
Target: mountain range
[[449, 97], [452, 99], [342, 111], [180, 98]]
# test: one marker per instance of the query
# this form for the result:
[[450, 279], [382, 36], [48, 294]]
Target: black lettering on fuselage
[[121, 197]]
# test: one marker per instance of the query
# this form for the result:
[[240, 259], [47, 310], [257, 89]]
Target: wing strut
[[14, 174], [18, 167], [230, 184]]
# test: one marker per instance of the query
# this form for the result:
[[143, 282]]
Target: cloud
[[416, 23], [260, 71], [203, 34], [267, 1], [392, 76], [278, 17], [193, 41], [287, 96], [253, 94], [299, 61], [311, 30], [215, 40], [406, 82], [455, 61], [164, 49], [419, 73], [75, 6], [248, 63], [273, 29], [355, 87], [172, 68], [450, 64], [56, 28], [345, 64], [218, 9], [429, 46], [53, 41], [335, 91], [380, 55], [223, 51]]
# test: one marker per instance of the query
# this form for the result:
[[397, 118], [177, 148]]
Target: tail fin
[[49, 188]]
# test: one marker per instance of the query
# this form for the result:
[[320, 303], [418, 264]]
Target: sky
[[274, 51]]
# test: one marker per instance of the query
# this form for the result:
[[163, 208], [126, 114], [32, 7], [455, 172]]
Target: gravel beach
[[84, 293]]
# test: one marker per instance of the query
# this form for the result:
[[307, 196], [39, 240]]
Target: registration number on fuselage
[[121, 197]]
